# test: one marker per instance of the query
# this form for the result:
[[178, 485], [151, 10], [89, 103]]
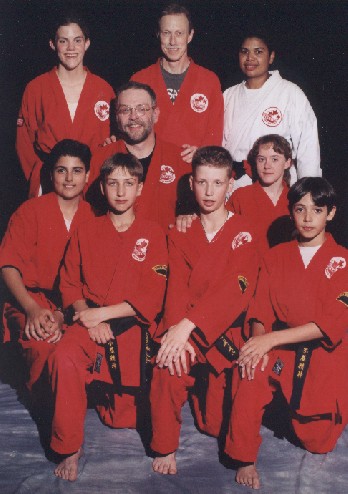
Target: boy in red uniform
[[66, 102], [264, 203], [213, 270], [299, 319], [32, 251], [114, 278]]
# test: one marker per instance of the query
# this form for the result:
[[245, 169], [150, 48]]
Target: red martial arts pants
[[169, 394], [244, 439], [71, 368]]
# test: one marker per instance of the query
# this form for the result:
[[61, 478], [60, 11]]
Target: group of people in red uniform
[[100, 289]]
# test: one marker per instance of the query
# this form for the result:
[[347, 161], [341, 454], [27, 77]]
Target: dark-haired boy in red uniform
[[32, 251], [299, 320]]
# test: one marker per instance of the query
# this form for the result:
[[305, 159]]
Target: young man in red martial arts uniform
[[114, 278], [264, 203], [213, 270], [66, 102], [32, 251], [136, 115], [298, 320], [189, 95]]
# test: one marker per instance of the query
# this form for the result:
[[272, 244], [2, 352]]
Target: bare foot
[[248, 476], [165, 464], [68, 468]]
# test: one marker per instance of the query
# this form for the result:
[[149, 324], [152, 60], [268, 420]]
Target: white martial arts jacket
[[278, 107]]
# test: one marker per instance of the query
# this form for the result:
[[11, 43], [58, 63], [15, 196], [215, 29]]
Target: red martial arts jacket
[[196, 116], [211, 284], [44, 120]]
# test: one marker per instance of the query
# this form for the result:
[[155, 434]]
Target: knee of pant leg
[[63, 355]]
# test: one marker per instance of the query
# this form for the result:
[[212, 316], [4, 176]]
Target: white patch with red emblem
[[241, 239], [199, 102], [334, 264], [140, 248], [272, 116], [102, 110], [167, 174], [20, 122]]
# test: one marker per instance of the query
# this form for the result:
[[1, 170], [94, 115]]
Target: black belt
[[119, 326], [148, 349], [223, 344], [302, 360]]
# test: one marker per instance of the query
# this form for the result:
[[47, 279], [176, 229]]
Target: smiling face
[[70, 45], [175, 36], [270, 165], [69, 177], [210, 186], [136, 127], [254, 60], [121, 190], [310, 220]]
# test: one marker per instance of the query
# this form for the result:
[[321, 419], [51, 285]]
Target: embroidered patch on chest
[[241, 239], [102, 110], [20, 122], [343, 297], [140, 249], [272, 116], [199, 102], [334, 264], [167, 174]]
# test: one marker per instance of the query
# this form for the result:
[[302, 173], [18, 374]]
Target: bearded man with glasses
[[136, 114]]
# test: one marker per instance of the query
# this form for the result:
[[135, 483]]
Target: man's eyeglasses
[[138, 109]]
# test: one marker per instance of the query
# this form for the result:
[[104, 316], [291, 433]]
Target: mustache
[[136, 122]]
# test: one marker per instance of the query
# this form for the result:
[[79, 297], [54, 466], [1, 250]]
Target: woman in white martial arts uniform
[[265, 102]]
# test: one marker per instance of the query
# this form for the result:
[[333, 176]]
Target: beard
[[135, 138]]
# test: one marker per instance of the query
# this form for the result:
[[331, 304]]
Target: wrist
[[59, 314], [105, 314], [30, 306], [273, 337], [188, 326]]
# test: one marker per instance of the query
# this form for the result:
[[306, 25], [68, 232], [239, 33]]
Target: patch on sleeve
[[243, 283], [343, 297], [241, 239], [20, 122], [161, 269], [334, 264], [140, 249]]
